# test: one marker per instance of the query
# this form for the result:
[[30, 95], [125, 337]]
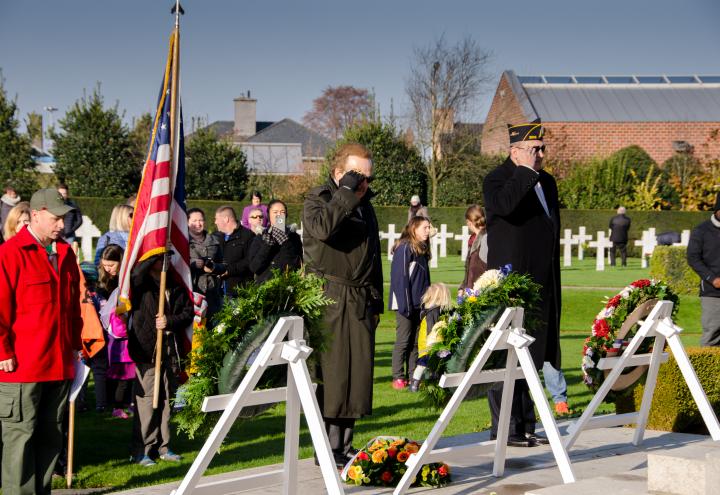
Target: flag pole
[[174, 143]]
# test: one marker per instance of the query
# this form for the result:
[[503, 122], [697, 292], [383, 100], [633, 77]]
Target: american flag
[[161, 197]]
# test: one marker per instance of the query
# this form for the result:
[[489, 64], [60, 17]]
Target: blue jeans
[[555, 382]]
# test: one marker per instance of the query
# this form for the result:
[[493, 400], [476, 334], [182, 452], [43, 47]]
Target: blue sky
[[287, 52]]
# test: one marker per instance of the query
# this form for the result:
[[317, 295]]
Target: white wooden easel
[[506, 334], [299, 393], [658, 324]]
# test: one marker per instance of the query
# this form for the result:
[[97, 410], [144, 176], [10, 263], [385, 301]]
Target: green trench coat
[[341, 244]]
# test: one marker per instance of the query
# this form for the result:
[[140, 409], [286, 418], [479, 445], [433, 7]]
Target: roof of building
[[224, 128], [618, 98], [289, 131]]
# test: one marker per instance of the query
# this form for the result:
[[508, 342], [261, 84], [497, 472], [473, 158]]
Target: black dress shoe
[[537, 439], [340, 460], [520, 441]]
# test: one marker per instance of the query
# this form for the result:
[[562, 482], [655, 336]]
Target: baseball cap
[[50, 200]]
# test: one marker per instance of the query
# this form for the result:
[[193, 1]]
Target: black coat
[[144, 297], [703, 255], [619, 226], [521, 233], [72, 219], [236, 256], [342, 245], [264, 257]]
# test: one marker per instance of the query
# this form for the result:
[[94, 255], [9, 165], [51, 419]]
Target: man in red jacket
[[40, 327]]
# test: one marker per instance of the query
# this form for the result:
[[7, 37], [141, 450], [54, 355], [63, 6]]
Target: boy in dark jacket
[[151, 427]]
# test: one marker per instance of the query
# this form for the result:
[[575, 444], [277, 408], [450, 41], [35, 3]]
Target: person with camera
[[206, 264], [277, 248], [342, 245], [235, 243]]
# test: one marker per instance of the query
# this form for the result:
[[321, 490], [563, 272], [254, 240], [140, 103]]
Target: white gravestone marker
[[443, 235], [647, 245], [434, 243], [87, 232], [391, 237], [581, 237], [568, 241], [601, 243], [684, 239], [464, 238]]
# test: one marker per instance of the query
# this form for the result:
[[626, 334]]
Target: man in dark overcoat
[[523, 228], [342, 245], [619, 227]]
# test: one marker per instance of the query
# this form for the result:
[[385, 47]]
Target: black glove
[[279, 235], [352, 180]]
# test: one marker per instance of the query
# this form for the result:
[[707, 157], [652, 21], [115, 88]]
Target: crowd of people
[[41, 280]]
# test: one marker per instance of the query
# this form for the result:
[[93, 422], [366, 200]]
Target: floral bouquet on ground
[[463, 330], [382, 463], [223, 353], [614, 326]]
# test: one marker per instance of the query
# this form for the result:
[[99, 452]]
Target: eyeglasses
[[537, 149], [256, 216]]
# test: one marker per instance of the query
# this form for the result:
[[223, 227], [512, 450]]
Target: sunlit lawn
[[102, 443]]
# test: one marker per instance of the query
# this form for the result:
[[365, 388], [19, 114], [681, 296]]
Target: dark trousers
[[340, 434], [405, 352], [32, 415], [120, 391], [151, 427], [522, 415], [622, 246]]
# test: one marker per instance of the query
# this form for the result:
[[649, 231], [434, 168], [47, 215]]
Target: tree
[[16, 162], [397, 166], [338, 109], [215, 169], [444, 84], [34, 126], [93, 151], [140, 136]]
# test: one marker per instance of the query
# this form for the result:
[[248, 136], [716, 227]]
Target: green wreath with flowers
[[614, 327], [222, 354], [463, 330]]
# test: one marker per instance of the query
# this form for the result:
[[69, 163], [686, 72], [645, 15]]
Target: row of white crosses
[[438, 246]]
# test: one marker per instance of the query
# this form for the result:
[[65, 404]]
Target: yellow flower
[[355, 473], [376, 445], [472, 299], [397, 443], [379, 456], [412, 448]]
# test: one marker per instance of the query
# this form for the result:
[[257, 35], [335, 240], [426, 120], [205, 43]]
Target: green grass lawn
[[102, 443]]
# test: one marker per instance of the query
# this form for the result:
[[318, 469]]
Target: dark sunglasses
[[537, 149], [256, 216]]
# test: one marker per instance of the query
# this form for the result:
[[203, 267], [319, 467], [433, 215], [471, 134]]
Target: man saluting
[[523, 226]]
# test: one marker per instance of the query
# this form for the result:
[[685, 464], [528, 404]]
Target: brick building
[[597, 115]]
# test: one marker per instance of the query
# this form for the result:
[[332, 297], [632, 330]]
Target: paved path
[[603, 452]]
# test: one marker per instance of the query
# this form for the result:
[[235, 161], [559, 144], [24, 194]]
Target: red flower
[[443, 470], [601, 328], [612, 303], [643, 282], [386, 476], [362, 456], [392, 452]]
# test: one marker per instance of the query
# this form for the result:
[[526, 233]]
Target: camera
[[209, 263]]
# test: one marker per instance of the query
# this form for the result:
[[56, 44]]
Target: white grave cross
[[443, 235], [601, 243], [581, 237], [87, 232], [684, 239], [464, 238], [647, 244], [568, 241], [434, 243], [391, 237]]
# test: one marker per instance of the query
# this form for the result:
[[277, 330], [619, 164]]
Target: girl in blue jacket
[[409, 279]]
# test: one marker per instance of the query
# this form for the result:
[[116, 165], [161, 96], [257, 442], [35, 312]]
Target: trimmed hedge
[[669, 263], [454, 217], [673, 408]]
